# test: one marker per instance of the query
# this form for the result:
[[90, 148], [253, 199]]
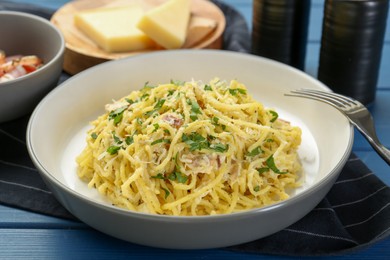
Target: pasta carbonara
[[190, 148]]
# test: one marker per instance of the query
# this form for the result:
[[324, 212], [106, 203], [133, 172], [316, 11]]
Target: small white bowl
[[57, 130], [26, 34]]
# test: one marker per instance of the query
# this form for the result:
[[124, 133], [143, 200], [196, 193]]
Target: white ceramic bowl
[[56, 134], [26, 34]]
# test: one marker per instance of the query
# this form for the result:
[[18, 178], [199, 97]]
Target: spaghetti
[[189, 148]]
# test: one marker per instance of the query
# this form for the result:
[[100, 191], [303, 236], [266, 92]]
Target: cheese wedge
[[114, 29], [167, 23]]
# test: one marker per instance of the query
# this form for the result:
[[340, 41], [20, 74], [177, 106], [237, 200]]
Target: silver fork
[[356, 112]]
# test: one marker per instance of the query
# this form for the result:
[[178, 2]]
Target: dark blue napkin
[[354, 214]]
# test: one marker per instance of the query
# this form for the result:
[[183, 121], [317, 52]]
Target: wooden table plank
[[82, 244]]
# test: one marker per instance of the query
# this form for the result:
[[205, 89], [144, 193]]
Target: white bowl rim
[[199, 219], [45, 66]]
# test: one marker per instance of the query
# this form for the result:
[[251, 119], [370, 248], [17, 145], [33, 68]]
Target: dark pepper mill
[[351, 46], [279, 30]]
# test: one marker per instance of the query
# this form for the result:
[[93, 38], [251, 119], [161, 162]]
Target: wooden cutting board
[[82, 53]]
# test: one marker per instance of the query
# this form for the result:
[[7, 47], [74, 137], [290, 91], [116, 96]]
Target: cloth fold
[[354, 214]]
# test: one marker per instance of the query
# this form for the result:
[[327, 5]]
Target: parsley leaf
[[262, 170], [156, 107], [198, 142], [159, 176], [255, 152], [162, 140], [113, 149], [117, 114], [195, 141], [129, 140], [167, 192], [208, 87], [116, 138], [94, 135], [145, 96], [195, 109], [130, 101], [274, 116], [219, 147], [177, 82], [215, 120], [148, 86], [156, 126], [180, 177], [270, 166], [235, 91]]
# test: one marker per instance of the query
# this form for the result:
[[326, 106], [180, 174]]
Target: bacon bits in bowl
[[188, 149], [31, 59]]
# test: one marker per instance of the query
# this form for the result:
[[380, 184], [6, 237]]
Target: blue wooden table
[[33, 236]]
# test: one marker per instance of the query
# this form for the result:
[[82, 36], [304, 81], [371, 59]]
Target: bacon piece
[[173, 120]]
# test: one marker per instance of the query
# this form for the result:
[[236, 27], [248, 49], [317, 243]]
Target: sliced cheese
[[198, 29], [114, 29], [167, 23]]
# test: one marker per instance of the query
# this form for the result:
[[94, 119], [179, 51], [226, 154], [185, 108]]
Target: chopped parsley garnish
[[148, 86], [180, 177], [174, 176], [162, 140], [130, 101], [116, 138], [195, 141], [145, 96], [220, 148], [208, 87], [117, 115], [255, 152], [156, 107], [159, 176], [156, 126], [129, 140], [274, 116], [198, 142], [113, 149], [94, 135], [195, 109], [235, 91], [262, 170], [270, 166], [159, 104], [256, 188], [167, 192], [177, 82], [215, 120]]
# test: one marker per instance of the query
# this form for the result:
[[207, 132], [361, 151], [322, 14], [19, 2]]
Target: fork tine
[[344, 99], [317, 95]]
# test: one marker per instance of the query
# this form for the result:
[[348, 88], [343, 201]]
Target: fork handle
[[375, 143], [382, 151]]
